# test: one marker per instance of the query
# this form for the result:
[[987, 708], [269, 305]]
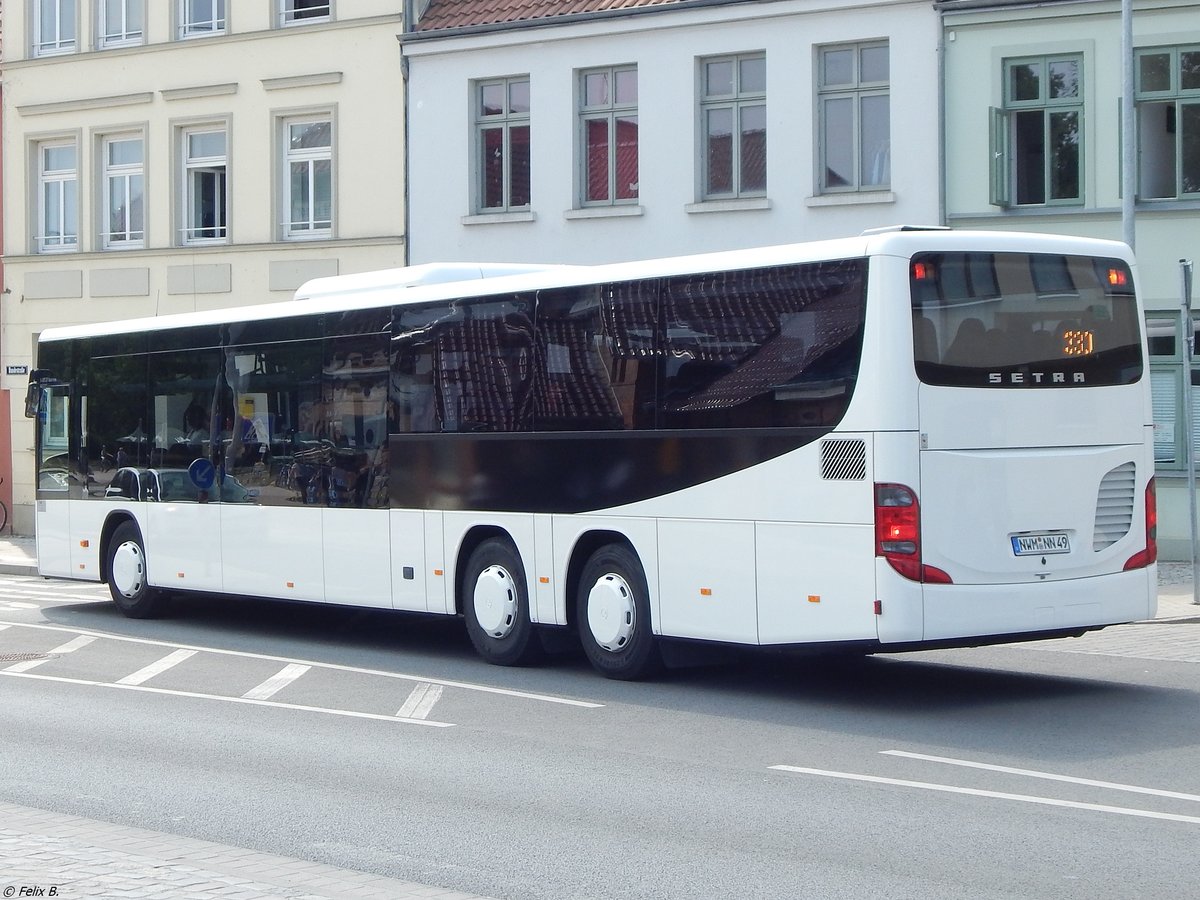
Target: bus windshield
[[1024, 320]]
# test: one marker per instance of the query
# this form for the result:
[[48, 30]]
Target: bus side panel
[[358, 564], [183, 545], [410, 575], [706, 579], [439, 596], [87, 524], [815, 582], [54, 537], [544, 590], [273, 551]]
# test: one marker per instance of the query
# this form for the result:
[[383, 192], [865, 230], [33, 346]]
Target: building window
[[733, 117], [502, 139], [58, 197], [198, 18], [205, 187], [304, 12], [124, 180], [1166, 390], [53, 27], [609, 135], [119, 22], [854, 106], [1168, 122], [1037, 137], [308, 178]]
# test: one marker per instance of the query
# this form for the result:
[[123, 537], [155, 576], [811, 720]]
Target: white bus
[[912, 438]]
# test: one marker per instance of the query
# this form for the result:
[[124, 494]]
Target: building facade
[[165, 156], [571, 131], [1033, 112]]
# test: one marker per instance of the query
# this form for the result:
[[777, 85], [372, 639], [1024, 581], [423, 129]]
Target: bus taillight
[[1143, 558], [898, 534]]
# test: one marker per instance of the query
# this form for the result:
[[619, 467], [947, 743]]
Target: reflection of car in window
[[172, 486]]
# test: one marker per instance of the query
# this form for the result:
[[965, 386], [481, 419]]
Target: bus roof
[[447, 281]]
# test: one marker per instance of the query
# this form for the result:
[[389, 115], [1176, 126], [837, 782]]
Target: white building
[[1033, 143], [567, 131], [172, 155]]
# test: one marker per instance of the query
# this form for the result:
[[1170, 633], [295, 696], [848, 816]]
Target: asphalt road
[[379, 742]]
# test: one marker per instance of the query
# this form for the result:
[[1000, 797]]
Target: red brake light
[[922, 271], [1117, 277], [1147, 557], [898, 534]]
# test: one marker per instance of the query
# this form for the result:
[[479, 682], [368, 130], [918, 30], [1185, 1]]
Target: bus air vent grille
[[1114, 506], [844, 460]]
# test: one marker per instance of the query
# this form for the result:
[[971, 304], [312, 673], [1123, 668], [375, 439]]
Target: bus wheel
[[613, 615], [127, 574], [496, 605]]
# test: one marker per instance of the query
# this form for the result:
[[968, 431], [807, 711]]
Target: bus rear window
[[1024, 320]]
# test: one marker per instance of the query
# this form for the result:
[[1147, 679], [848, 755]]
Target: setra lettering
[[1035, 378]]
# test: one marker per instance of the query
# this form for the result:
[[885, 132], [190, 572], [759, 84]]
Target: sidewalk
[[87, 858]]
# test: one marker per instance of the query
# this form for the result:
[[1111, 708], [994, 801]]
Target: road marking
[[1030, 773], [69, 647], [17, 605], [276, 682], [197, 696], [465, 685], [157, 668], [995, 795], [420, 702]]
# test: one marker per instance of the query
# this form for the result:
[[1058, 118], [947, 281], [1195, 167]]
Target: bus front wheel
[[496, 605], [613, 615], [127, 574]]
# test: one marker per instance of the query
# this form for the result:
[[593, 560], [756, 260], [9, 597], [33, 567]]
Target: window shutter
[[998, 152], [1164, 398]]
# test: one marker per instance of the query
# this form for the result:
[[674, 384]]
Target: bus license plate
[[1036, 544]]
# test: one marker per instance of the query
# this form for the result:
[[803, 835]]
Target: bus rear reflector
[[898, 534], [1146, 557]]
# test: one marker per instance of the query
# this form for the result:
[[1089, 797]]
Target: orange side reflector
[[814, 598], [291, 584], [438, 572], [543, 580], [705, 592], [85, 544], [179, 575]]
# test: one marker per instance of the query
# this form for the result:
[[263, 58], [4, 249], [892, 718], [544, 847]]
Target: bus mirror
[[33, 400], [33, 394]]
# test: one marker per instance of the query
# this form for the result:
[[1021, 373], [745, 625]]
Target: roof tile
[[446, 14]]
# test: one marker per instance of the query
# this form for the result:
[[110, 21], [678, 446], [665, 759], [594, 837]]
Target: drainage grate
[[22, 657]]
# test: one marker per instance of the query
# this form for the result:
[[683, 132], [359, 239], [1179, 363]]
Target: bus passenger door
[[54, 479]]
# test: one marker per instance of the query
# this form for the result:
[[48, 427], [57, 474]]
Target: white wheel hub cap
[[129, 569], [610, 612], [495, 601]]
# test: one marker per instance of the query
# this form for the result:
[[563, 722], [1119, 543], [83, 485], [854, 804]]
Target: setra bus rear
[[1028, 507]]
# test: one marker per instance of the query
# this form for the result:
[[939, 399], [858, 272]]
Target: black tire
[[612, 615], [495, 603], [127, 582]]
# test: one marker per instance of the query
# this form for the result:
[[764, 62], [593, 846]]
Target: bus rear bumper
[[955, 611]]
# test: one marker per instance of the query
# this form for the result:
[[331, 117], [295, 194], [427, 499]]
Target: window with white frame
[[609, 135], [119, 22], [854, 106], [304, 12], [1167, 368], [124, 180], [199, 18], [54, 27], [58, 196], [733, 117], [205, 194], [1168, 122], [308, 177], [502, 144], [1037, 138]]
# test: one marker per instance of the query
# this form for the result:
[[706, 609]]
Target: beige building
[[166, 156]]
